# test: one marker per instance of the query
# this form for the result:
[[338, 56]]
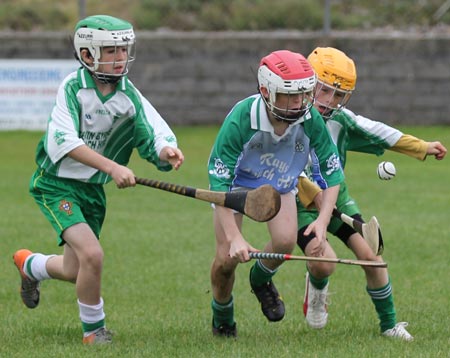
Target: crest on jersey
[[66, 206], [220, 169], [299, 146], [333, 164], [58, 136]]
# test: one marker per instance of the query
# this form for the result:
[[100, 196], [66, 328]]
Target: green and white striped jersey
[[356, 133], [111, 125]]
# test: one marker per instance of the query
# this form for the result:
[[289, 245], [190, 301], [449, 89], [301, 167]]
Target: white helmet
[[95, 32], [289, 73]]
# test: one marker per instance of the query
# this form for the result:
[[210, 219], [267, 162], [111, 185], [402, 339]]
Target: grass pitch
[[158, 250]]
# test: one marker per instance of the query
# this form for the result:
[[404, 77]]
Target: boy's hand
[[436, 149], [123, 176], [172, 155], [320, 231], [239, 249]]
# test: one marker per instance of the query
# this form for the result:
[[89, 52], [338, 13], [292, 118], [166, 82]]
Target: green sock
[[27, 267], [223, 313], [383, 300], [90, 327], [316, 282], [260, 274]]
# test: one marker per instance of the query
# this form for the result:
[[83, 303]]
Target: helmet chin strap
[[288, 120], [108, 78], [105, 78]]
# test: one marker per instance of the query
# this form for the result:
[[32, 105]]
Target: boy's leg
[[30, 286], [222, 282], [315, 301], [283, 231], [83, 244], [380, 290], [315, 307], [76, 211], [223, 323], [222, 304], [272, 304]]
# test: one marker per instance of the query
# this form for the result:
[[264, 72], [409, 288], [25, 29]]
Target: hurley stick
[[261, 204], [287, 257], [370, 231]]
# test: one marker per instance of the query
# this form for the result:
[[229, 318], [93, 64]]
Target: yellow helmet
[[334, 68]]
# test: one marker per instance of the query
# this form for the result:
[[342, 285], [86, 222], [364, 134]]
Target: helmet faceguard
[[286, 72], [330, 100], [95, 33], [336, 81]]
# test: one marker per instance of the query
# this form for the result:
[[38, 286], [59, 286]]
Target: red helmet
[[289, 73]]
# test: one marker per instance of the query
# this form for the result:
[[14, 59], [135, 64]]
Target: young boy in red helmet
[[267, 139]]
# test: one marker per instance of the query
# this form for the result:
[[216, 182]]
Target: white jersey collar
[[259, 119]]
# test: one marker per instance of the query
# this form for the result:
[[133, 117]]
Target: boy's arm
[[307, 191], [225, 224], [412, 146], [224, 154], [153, 137], [122, 176], [371, 134], [320, 225], [418, 148], [330, 196]]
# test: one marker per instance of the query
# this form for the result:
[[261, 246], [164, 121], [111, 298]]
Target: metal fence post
[[327, 17]]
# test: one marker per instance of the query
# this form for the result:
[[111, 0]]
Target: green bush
[[267, 15], [27, 15], [212, 15]]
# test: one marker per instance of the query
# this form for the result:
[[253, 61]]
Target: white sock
[[91, 314], [34, 267]]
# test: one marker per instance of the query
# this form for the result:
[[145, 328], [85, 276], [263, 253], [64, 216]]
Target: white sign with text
[[28, 91]]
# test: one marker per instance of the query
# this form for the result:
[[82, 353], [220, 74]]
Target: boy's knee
[[321, 269], [93, 259]]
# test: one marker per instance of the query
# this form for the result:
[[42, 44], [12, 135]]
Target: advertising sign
[[28, 91]]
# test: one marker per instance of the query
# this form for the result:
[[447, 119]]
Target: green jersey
[[356, 133], [111, 125], [247, 152]]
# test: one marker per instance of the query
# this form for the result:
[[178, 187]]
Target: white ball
[[386, 170]]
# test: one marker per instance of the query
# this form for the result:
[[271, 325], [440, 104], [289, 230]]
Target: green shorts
[[344, 203], [66, 202]]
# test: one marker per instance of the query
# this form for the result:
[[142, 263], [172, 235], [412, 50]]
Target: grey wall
[[195, 78]]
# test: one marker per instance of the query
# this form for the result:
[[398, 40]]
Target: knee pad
[[302, 239], [345, 231]]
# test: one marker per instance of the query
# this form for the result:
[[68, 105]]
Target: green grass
[[159, 247]]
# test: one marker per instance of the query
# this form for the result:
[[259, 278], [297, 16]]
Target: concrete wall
[[195, 78]]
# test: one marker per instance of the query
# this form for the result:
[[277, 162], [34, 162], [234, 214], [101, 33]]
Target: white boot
[[399, 331], [315, 305]]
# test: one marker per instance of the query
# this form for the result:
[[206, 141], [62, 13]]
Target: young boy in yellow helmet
[[336, 81]]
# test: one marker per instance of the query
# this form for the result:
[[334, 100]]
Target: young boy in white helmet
[[98, 119], [266, 139], [336, 81]]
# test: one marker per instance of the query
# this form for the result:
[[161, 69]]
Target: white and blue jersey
[[247, 152]]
